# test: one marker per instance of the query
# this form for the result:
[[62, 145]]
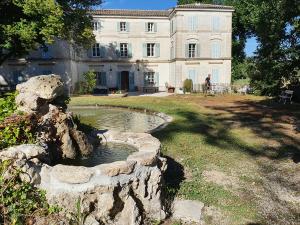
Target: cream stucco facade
[[138, 48]]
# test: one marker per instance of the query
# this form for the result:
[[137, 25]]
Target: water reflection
[[118, 119], [106, 153]]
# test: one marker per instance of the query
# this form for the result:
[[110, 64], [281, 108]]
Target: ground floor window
[[101, 78], [149, 78]]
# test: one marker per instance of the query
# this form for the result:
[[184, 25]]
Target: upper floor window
[[192, 50], [150, 50], [123, 27], [96, 26], [216, 23], [216, 50], [96, 50], [124, 50], [193, 23], [151, 27]]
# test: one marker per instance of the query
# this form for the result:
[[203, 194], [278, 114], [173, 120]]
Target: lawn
[[236, 154]]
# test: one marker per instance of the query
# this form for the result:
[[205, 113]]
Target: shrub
[[90, 80], [188, 85], [7, 105], [14, 129]]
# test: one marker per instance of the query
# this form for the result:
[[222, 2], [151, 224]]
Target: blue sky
[[159, 4]]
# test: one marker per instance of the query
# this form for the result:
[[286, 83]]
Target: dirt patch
[[221, 179]]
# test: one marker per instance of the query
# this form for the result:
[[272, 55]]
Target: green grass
[[199, 139]]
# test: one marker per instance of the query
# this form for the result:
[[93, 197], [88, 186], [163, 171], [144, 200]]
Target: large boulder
[[37, 91]]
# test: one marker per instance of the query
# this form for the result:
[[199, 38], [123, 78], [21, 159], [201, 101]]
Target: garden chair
[[286, 96]]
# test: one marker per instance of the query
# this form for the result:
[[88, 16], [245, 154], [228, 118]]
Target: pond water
[[106, 153], [119, 119]]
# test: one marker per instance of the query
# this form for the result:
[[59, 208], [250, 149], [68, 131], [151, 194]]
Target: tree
[[90, 81], [26, 25]]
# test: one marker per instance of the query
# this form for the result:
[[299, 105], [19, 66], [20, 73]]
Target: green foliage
[[188, 85], [7, 106], [87, 86], [90, 79], [27, 25], [78, 218], [19, 200], [15, 132]]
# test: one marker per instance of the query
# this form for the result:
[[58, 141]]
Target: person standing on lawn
[[207, 84]]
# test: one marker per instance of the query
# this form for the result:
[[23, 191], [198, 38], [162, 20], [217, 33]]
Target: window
[[192, 50], [150, 50], [149, 78], [96, 50], [96, 26], [123, 26], [100, 78], [216, 50], [216, 24], [192, 23], [124, 50], [150, 27]]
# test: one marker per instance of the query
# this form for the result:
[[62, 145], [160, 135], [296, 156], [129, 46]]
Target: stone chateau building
[[140, 48]]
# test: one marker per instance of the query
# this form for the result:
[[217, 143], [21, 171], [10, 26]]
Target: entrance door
[[125, 80]]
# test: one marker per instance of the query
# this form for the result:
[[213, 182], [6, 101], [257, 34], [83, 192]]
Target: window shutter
[[90, 52], [145, 79], [215, 76], [196, 23], [218, 49], [127, 26], [216, 24], [102, 51], [198, 50], [118, 53], [129, 50], [144, 50], [98, 26], [186, 50], [155, 27], [103, 78], [146, 27], [156, 79], [119, 80], [213, 50], [131, 81], [118, 26], [190, 23], [157, 49]]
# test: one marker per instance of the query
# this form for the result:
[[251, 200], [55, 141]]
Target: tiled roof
[[204, 6], [156, 13], [121, 12]]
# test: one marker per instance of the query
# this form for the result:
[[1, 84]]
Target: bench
[[150, 89], [286, 96]]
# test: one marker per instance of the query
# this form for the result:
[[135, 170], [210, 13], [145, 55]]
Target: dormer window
[[123, 26]]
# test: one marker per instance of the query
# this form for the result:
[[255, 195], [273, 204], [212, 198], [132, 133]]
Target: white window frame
[[123, 26], [150, 27], [192, 48], [96, 52], [96, 26], [124, 50], [149, 77], [150, 49]]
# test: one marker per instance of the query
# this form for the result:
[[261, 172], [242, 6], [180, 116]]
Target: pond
[[106, 153], [120, 119]]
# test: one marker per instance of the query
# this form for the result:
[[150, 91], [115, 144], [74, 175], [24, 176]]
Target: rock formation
[[43, 98]]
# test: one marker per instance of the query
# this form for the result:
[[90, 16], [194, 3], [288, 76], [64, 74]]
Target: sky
[[160, 4]]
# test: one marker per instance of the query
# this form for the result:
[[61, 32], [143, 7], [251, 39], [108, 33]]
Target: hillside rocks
[[43, 98]]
